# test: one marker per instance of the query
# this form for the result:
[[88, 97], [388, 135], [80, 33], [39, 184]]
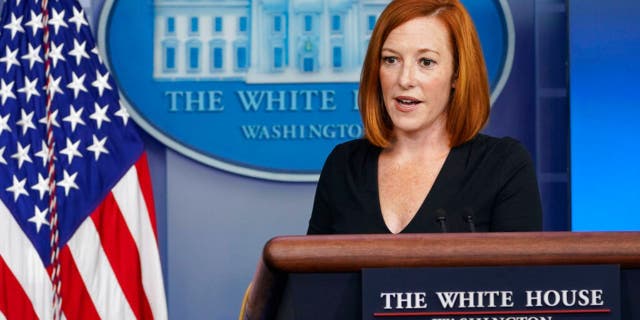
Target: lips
[[405, 103]]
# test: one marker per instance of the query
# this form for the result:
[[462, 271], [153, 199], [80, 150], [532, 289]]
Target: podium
[[334, 262]]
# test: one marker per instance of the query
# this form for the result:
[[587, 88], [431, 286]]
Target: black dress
[[486, 184]]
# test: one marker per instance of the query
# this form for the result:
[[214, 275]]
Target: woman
[[422, 165]]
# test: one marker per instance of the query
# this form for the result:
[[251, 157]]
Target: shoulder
[[357, 145], [491, 142], [351, 158], [505, 149], [352, 151], [498, 157]]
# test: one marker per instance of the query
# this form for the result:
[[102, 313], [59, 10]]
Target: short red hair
[[469, 105]]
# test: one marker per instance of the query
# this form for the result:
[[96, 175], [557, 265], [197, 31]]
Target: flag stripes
[[122, 254], [75, 293], [144, 178], [24, 262], [99, 263], [130, 196], [101, 268], [14, 296], [96, 272]]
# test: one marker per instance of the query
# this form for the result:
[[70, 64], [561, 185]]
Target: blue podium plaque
[[492, 293]]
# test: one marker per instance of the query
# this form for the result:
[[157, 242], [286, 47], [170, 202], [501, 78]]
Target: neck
[[424, 146]]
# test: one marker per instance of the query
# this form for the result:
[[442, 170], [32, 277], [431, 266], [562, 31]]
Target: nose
[[407, 76]]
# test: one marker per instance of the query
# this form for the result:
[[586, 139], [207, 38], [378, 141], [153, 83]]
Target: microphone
[[468, 216], [441, 217]]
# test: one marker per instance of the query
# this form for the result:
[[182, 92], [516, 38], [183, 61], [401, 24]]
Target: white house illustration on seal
[[262, 41]]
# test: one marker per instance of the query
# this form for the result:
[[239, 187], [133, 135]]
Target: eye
[[425, 62], [389, 60]]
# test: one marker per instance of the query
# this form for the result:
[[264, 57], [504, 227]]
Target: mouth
[[405, 102]]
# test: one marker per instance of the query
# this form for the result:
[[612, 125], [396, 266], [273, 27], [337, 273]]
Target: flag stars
[[39, 218], [100, 114], [2, 160], [98, 147], [10, 58], [6, 90], [18, 188], [78, 19], [122, 113], [4, 125], [42, 186], [26, 121], [33, 55], [57, 20], [35, 23], [77, 84], [54, 121], [29, 88], [68, 182], [54, 87], [97, 53], [55, 53], [74, 118], [71, 150], [101, 82], [22, 154], [15, 25], [43, 153], [79, 51]]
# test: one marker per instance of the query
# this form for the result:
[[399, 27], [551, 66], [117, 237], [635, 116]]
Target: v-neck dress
[[485, 184]]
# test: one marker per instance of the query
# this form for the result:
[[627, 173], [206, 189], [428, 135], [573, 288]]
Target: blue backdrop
[[605, 106]]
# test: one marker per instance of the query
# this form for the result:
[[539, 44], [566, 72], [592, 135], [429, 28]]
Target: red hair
[[468, 108]]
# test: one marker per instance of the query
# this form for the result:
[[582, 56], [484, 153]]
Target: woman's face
[[416, 75]]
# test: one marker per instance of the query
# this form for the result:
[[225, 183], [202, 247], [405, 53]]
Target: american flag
[[83, 244]]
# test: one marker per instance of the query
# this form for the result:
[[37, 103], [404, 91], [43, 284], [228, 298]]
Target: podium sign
[[492, 293]]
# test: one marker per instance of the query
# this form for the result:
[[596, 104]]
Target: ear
[[454, 80]]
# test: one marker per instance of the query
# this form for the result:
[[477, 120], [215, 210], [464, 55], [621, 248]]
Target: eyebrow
[[424, 50]]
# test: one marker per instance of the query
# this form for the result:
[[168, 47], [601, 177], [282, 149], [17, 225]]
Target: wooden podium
[[348, 254]]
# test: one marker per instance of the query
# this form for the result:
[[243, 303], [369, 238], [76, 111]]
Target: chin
[[407, 127]]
